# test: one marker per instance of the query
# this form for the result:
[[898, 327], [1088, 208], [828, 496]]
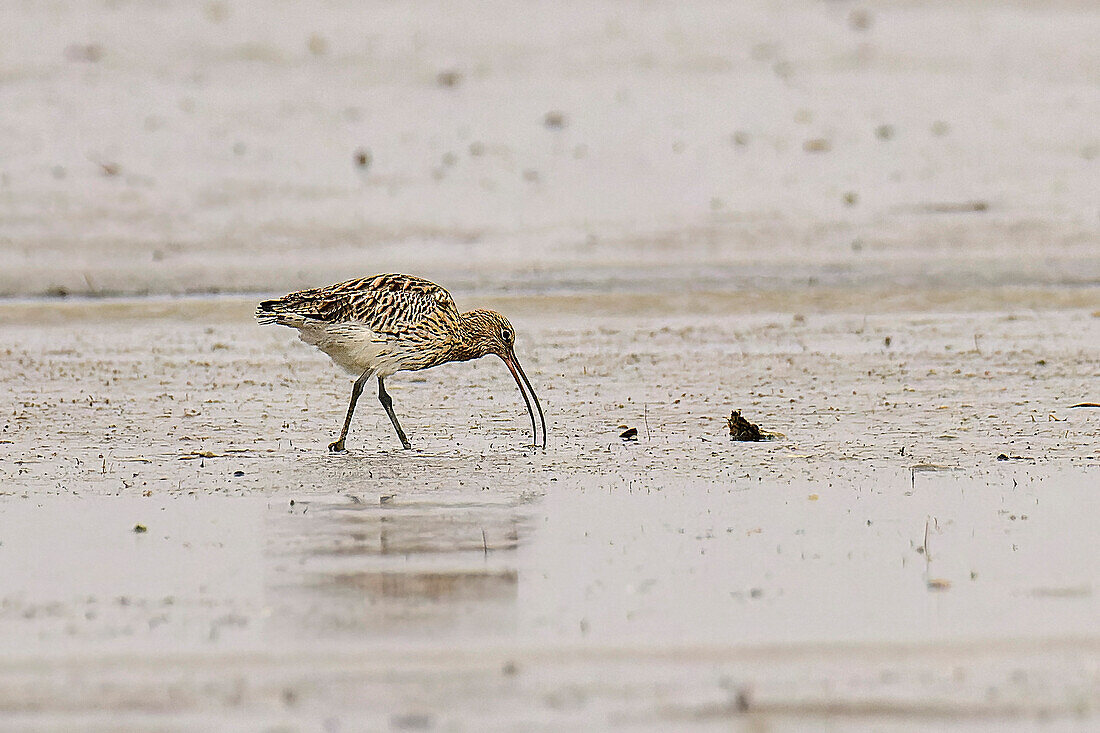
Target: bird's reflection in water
[[436, 568]]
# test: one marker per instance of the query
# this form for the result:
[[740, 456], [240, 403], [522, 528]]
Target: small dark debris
[[817, 145], [742, 429], [629, 434], [1006, 457], [449, 78], [886, 342], [554, 120], [851, 198], [386, 498], [860, 19], [140, 529], [85, 52], [884, 132], [962, 207], [110, 169], [238, 474], [362, 158], [317, 44], [414, 721], [510, 669], [1085, 404]]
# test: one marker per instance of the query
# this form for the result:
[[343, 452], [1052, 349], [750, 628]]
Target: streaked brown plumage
[[376, 326]]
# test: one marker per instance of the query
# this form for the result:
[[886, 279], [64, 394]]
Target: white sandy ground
[[877, 568], [873, 227]]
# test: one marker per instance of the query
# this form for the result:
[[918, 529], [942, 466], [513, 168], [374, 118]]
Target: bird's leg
[[356, 390], [384, 398]]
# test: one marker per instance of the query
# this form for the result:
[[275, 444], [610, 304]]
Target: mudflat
[[918, 548]]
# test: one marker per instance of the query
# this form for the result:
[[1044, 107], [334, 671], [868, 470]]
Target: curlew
[[377, 326]]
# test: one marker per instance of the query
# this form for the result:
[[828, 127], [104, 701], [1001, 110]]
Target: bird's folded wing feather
[[386, 304]]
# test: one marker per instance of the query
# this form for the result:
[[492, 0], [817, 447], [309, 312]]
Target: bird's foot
[[337, 447], [406, 444]]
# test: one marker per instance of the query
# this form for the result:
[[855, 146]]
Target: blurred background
[[163, 146]]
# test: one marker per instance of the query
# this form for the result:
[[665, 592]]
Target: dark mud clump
[[742, 429]]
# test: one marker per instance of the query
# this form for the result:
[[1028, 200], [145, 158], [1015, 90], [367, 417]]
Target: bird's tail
[[268, 311], [279, 311]]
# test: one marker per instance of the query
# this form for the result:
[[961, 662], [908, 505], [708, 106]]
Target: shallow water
[[798, 599], [653, 564]]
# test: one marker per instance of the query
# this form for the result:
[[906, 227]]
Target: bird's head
[[489, 332]]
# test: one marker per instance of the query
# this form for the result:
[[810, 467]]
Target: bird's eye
[[506, 334]]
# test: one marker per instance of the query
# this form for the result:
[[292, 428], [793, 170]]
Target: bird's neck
[[470, 340]]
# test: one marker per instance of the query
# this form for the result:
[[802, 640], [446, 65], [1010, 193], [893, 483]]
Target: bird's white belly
[[355, 348]]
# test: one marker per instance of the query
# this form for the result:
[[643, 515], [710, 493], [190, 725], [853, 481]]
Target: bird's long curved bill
[[525, 387]]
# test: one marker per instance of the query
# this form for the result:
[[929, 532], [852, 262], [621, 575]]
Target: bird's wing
[[386, 304]]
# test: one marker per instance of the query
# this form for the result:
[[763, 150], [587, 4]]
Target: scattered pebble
[[629, 434], [140, 529]]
